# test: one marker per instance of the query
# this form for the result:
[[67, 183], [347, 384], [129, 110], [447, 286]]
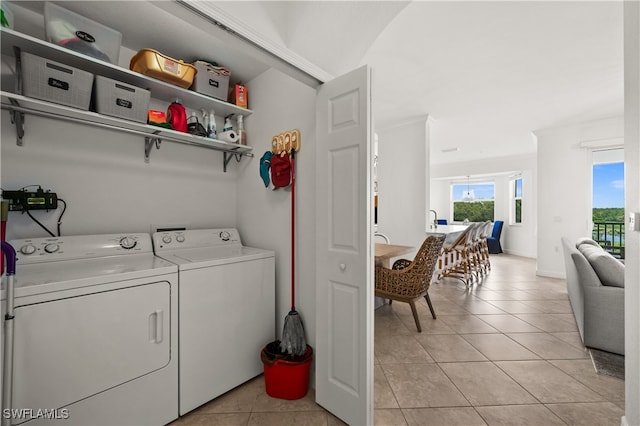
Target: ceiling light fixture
[[468, 195]]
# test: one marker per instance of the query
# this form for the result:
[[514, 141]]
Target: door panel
[[343, 206], [344, 303]]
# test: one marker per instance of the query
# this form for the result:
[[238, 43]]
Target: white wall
[[264, 215], [632, 204], [517, 239], [403, 181], [565, 187], [108, 187]]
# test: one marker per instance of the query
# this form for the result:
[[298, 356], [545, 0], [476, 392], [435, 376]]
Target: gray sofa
[[595, 283]]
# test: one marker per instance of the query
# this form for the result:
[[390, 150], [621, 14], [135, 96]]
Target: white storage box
[[121, 100], [55, 82], [211, 80], [75, 32]]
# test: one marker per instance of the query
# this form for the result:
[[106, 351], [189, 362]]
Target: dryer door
[[73, 348]]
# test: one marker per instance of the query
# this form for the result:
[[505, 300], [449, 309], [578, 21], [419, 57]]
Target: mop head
[[293, 341]]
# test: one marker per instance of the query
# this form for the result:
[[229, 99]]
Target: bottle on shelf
[[228, 134], [205, 121], [228, 126], [212, 132], [242, 134]]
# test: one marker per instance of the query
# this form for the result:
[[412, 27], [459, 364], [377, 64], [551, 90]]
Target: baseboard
[[623, 421], [550, 274], [519, 254]]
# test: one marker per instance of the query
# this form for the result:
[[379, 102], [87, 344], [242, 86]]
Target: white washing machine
[[226, 309], [95, 332]]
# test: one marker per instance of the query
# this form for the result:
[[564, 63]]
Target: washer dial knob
[[225, 236], [28, 249], [180, 238], [166, 239], [127, 243], [52, 247]]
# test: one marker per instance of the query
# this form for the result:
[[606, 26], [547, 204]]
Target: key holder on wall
[[286, 142]]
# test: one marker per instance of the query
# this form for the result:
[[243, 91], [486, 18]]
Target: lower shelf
[[19, 105]]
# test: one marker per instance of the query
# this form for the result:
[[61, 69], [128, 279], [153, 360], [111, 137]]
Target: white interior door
[[344, 287]]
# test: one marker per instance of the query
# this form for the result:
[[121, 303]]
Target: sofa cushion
[[609, 269], [586, 240]]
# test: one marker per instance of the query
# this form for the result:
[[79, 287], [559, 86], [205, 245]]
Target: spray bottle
[[242, 134], [212, 132]]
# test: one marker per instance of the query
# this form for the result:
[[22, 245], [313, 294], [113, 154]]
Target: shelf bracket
[[17, 118], [149, 142], [227, 158]]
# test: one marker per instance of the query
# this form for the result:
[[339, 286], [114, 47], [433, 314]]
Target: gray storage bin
[[55, 82], [121, 100], [211, 80]]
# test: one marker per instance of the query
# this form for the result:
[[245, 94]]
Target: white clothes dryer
[[95, 332], [226, 310]]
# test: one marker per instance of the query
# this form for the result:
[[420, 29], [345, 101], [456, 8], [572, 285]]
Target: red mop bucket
[[285, 377]]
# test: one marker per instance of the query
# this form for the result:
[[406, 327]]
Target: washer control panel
[[192, 238], [32, 250]]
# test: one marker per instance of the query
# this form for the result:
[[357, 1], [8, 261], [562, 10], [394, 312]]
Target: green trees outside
[[608, 214], [478, 211]]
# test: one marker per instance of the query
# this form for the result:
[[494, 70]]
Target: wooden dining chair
[[409, 280]]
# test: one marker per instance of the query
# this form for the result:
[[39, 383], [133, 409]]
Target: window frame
[[514, 198], [470, 184]]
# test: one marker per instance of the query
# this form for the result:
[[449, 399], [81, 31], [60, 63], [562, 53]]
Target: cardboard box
[[238, 96]]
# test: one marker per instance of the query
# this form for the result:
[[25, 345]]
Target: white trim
[[623, 421], [607, 143], [550, 274], [215, 12], [517, 253]]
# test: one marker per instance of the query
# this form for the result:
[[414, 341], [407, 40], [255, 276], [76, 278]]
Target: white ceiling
[[488, 73]]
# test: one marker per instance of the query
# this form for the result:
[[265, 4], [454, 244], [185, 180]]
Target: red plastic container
[[286, 379]]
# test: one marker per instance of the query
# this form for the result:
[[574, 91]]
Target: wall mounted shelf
[[18, 105], [159, 89], [153, 135]]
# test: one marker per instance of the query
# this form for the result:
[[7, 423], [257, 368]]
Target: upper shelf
[[159, 89]]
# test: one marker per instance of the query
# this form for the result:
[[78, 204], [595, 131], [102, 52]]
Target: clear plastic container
[[75, 32]]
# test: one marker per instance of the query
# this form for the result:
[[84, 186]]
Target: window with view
[[474, 202], [608, 201], [516, 200]]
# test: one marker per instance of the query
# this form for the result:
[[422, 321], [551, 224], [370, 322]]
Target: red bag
[[280, 170], [177, 116]]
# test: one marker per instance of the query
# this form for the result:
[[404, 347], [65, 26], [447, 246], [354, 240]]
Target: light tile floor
[[505, 352]]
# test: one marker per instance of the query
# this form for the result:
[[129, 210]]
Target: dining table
[[385, 252]]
